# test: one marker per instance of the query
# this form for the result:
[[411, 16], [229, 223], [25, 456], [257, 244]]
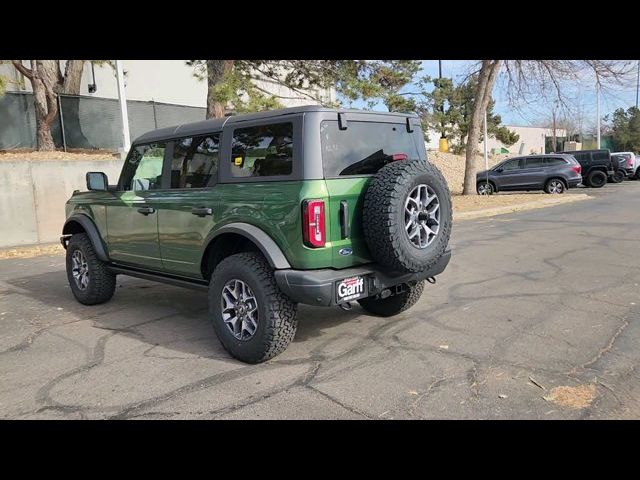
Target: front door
[[508, 175], [132, 217], [187, 210]]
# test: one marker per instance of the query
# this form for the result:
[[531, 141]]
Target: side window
[[262, 151], [143, 168], [511, 165], [554, 162], [195, 162], [533, 162]]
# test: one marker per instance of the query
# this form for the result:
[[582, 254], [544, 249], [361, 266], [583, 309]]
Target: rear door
[[188, 208], [351, 156], [132, 220], [533, 172]]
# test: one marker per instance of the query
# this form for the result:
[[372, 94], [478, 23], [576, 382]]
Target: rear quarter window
[[262, 151], [554, 161]]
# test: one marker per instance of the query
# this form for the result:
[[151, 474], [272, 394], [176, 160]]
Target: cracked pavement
[[551, 295]]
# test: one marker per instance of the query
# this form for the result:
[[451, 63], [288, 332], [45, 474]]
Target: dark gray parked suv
[[551, 173]]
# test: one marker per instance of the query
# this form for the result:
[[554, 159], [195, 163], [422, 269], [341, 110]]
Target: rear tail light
[[313, 224], [629, 162], [577, 168], [398, 156]]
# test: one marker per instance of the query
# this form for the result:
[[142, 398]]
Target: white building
[[164, 81], [532, 140]]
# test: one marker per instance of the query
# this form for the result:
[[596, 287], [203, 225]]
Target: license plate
[[351, 288]]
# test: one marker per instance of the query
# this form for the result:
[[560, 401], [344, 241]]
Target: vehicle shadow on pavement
[[161, 315]]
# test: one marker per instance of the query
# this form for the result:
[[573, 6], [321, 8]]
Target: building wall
[[532, 140], [167, 81]]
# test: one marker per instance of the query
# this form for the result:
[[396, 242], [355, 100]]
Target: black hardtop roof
[[216, 124], [571, 152]]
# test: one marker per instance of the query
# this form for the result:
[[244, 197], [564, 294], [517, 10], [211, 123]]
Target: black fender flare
[[265, 243], [91, 230]]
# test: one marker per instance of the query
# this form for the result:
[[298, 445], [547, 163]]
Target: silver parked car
[[633, 163], [553, 173]]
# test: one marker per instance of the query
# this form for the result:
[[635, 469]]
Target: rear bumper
[[318, 287], [574, 182]]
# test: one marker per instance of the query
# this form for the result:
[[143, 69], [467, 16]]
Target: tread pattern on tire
[[385, 195], [281, 326], [102, 282], [387, 307], [596, 173]]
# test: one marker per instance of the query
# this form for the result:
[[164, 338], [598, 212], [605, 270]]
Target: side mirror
[[500, 170], [97, 181]]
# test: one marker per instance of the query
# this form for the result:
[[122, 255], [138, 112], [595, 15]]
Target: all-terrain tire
[[383, 219], [277, 313], [101, 283], [597, 179], [390, 306]]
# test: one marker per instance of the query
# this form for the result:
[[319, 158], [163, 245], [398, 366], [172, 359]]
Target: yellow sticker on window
[[237, 161]]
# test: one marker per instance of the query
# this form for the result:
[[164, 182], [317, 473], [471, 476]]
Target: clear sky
[[612, 97]]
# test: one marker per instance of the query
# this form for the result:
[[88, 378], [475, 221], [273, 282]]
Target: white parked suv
[[633, 163]]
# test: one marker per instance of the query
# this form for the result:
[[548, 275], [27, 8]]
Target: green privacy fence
[[87, 122]]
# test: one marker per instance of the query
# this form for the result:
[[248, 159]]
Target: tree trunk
[[72, 77], [486, 80], [45, 105], [216, 70]]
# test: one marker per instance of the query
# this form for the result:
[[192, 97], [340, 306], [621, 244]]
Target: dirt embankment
[[76, 154], [452, 167]]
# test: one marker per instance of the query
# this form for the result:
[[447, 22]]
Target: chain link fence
[[87, 122]]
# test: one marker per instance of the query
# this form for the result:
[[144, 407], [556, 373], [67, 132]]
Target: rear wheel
[[597, 179], [617, 177], [387, 307], [554, 186], [637, 174], [484, 188], [252, 318]]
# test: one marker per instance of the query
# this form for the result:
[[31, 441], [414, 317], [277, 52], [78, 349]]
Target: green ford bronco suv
[[264, 211]]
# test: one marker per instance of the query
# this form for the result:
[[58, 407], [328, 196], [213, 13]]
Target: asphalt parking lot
[[536, 317]]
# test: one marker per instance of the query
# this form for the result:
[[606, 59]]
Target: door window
[[195, 162], [143, 168], [511, 165]]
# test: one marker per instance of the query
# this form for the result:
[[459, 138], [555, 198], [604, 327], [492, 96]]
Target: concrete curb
[[547, 202]]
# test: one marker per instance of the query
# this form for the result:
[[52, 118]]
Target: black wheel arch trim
[[268, 247], [91, 230]]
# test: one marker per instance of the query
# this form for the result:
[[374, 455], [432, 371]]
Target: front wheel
[[554, 186], [484, 188], [390, 306], [252, 318], [90, 280]]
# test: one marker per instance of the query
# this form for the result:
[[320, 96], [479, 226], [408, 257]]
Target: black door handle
[[202, 211], [146, 210]]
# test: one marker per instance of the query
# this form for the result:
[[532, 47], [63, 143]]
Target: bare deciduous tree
[[529, 81]]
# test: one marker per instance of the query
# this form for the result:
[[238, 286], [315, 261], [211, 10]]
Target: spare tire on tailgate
[[407, 216]]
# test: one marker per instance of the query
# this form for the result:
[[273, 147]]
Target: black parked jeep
[[596, 166]]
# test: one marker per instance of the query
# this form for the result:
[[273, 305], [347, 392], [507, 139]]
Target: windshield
[[365, 147]]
